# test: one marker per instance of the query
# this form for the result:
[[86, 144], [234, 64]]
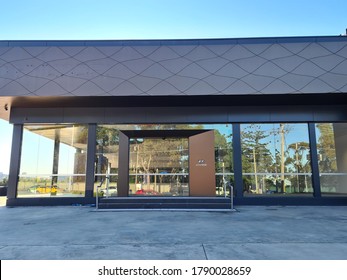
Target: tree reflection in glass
[[275, 159]]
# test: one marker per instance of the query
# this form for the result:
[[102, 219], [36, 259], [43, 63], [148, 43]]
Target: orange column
[[202, 181]]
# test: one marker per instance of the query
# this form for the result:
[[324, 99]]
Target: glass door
[[158, 166]]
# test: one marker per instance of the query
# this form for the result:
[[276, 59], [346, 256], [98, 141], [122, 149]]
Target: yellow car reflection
[[43, 189]]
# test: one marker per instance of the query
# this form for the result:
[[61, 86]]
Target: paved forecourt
[[251, 232]]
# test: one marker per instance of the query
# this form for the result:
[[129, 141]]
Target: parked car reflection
[[111, 191], [3, 190], [38, 189], [146, 192]]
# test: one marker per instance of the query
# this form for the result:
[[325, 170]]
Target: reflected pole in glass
[[283, 188]]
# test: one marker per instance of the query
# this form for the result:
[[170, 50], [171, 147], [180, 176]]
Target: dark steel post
[[54, 180], [91, 150], [237, 158], [15, 160], [314, 160], [123, 165]]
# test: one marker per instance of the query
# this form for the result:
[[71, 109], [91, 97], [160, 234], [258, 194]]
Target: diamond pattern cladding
[[187, 69]]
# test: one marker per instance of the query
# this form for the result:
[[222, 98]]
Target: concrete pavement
[[252, 232]]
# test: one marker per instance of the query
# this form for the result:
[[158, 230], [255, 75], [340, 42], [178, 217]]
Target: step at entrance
[[165, 203]]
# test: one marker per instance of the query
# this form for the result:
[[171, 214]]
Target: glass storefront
[[276, 159], [53, 161]]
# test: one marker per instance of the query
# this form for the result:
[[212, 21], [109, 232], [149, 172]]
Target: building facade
[[263, 120]]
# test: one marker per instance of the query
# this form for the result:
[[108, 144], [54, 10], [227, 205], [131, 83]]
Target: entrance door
[[158, 166], [166, 163]]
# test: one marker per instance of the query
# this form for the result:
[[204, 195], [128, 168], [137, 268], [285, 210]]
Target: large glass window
[[106, 160], [224, 168], [276, 159], [53, 161], [332, 157]]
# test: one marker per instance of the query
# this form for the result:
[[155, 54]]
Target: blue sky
[[150, 19], [163, 19]]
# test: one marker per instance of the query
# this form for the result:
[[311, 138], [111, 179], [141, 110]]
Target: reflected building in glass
[[177, 123]]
